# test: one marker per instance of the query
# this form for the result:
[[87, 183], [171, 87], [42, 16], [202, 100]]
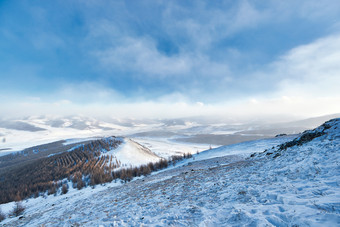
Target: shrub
[[36, 194], [18, 209], [52, 190], [187, 155], [64, 189], [80, 184], [151, 166], [145, 170]]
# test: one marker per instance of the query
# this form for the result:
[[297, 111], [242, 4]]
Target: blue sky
[[195, 57]]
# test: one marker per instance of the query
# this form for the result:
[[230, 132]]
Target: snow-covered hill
[[43, 169], [292, 184], [131, 153]]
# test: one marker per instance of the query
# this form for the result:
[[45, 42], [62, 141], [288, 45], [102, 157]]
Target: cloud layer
[[170, 58]]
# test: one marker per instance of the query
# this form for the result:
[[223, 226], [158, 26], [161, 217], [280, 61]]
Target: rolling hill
[[45, 168]]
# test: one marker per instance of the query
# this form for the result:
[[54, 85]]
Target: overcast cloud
[[170, 58]]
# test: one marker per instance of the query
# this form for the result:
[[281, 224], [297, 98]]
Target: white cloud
[[204, 25], [318, 10], [311, 70], [199, 103], [196, 30], [87, 92], [141, 56], [307, 84], [289, 106], [247, 109], [246, 16], [304, 81]]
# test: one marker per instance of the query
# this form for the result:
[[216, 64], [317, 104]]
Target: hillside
[[46, 168], [298, 187], [131, 153]]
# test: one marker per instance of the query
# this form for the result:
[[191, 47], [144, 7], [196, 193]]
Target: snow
[[244, 148], [18, 140], [165, 148], [298, 188], [48, 201], [79, 140], [131, 153]]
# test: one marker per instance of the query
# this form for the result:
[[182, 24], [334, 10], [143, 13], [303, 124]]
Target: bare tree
[[64, 189], [18, 209]]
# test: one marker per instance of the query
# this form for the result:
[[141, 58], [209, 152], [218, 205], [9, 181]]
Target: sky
[[169, 59]]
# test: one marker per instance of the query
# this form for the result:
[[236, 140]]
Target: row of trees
[[44, 175], [83, 166], [103, 175]]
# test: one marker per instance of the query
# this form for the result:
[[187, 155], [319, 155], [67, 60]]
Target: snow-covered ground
[[298, 188], [17, 140], [243, 149], [130, 153], [165, 148]]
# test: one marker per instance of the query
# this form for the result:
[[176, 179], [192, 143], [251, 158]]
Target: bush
[[36, 194], [18, 209], [64, 189], [52, 190], [80, 184]]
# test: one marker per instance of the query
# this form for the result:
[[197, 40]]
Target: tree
[[52, 190], [64, 189], [18, 209]]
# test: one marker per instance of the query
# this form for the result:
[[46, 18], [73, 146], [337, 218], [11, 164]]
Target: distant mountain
[[312, 122], [16, 135], [19, 125]]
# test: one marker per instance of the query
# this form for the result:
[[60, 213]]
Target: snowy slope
[[298, 187], [166, 148], [131, 153], [243, 149]]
